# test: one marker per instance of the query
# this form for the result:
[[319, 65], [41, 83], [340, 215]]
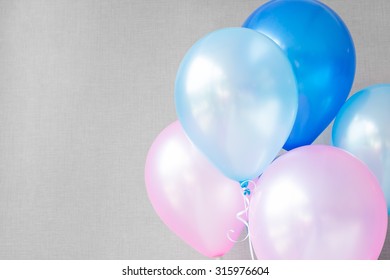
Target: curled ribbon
[[246, 192]]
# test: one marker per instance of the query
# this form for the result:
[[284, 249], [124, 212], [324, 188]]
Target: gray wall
[[85, 87]]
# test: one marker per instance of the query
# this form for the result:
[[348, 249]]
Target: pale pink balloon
[[190, 195], [318, 202]]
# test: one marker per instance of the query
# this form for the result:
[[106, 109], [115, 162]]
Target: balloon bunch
[[243, 94]]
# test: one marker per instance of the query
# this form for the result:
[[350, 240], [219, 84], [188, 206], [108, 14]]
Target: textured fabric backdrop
[[85, 87]]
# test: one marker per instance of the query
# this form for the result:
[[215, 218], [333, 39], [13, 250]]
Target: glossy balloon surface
[[190, 195], [236, 98], [362, 128], [322, 54], [318, 202]]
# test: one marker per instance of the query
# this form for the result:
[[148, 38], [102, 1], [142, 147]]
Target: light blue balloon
[[362, 128], [321, 51], [236, 98]]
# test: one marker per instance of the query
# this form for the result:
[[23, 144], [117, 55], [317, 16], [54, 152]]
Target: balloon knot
[[245, 187]]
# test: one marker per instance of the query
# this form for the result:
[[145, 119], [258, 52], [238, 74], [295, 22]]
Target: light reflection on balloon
[[321, 51], [236, 98], [190, 195], [317, 202], [362, 128]]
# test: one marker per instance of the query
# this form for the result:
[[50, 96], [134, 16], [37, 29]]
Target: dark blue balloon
[[321, 51]]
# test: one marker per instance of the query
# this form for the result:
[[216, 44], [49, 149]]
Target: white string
[[246, 192]]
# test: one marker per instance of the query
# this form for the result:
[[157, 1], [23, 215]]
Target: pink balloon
[[190, 195], [317, 202]]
